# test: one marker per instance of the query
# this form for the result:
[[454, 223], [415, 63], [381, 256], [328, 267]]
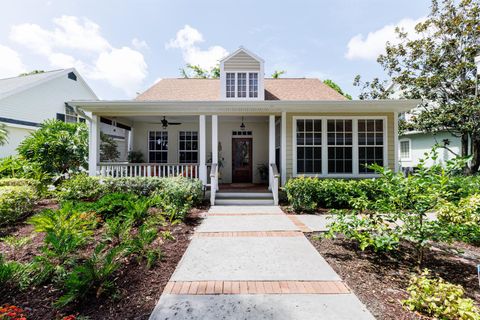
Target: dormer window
[[241, 76], [253, 84], [230, 92]]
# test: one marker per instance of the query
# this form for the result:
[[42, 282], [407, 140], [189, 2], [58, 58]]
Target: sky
[[122, 47]]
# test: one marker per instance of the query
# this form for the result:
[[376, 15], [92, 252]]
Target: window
[[370, 144], [70, 114], [339, 140], [405, 150], [241, 85], [158, 146], [309, 146], [230, 85], [253, 85], [188, 147]]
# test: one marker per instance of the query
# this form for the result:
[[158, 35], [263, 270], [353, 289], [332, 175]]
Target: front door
[[241, 160]]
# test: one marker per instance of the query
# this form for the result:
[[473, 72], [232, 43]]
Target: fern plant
[[141, 245], [117, 231], [94, 276]]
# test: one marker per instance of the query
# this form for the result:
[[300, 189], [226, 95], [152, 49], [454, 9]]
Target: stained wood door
[[241, 160]]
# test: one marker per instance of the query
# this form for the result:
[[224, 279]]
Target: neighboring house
[[225, 130], [27, 101]]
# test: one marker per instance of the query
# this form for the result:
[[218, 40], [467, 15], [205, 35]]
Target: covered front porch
[[233, 153]]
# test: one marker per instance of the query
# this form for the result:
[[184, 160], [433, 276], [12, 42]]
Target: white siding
[[423, 143], [16, 135]]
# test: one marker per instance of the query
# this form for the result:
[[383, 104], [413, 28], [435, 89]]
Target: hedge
[[15, 203]]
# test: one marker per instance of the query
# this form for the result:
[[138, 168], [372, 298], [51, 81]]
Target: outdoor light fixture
[[242, 126]]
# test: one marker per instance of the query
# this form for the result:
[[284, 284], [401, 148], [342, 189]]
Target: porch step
[[244, 198]]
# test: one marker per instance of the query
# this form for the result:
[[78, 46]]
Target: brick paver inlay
[[255, 287], [298, 223]]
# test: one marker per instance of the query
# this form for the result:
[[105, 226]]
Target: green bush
[[58, 147], [439, 299], [308, 194], [14, 182], [15, 203], [177, 196]]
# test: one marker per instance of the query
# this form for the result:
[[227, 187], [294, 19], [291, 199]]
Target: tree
[[277, 73], [3, 134], [31, 72], [195, 71], [337, 88], [108, 148], [58, 147], [436, 64]]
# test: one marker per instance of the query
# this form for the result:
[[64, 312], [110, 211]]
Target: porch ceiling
[[185, 119]]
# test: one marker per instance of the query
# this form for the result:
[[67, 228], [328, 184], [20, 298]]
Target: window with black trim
[[188, 147], [158, 146], [370, 144], [340, 145], [309, 146], [70, 115]]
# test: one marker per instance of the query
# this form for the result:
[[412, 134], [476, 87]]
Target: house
[[27, 101], [230, 131]]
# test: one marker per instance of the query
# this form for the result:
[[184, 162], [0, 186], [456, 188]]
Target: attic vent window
[[241, 85], [72, 76]]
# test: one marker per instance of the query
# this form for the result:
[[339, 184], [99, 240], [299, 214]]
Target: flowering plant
[[10, 312]]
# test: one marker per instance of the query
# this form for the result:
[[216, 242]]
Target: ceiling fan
[[165, 123]]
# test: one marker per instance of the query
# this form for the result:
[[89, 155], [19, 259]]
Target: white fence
[[122, 169]]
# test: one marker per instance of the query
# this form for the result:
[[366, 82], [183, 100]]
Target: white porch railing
[[274, 182], [123, 169], [213, 183]]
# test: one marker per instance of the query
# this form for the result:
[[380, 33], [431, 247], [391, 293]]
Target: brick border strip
[[255, 287], [302, 226], [243, 214], [284, 234]]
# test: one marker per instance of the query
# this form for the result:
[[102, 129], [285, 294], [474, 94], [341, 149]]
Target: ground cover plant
[[105, 238]]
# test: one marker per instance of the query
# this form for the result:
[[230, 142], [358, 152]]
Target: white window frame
[[150, 150], [75, 115], [355, 160], [247, 95], [409, 141], [384, 142], [185, 150]]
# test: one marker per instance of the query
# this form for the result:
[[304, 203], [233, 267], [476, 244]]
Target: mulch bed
[[138, 288], [380, 280]]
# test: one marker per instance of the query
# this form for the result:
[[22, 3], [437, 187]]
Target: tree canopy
[[277, 73], [337, 88], [436, 64], [195, 71]]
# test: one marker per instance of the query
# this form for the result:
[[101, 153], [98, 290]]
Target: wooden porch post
[[283, 148], [202, 169], [93, 145], [215, 141], [271, 148]]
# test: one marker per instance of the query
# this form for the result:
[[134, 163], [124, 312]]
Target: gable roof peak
[[243, 49]]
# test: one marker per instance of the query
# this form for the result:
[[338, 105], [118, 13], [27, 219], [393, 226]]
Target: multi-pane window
[[405, 149], [241, 85], [70, 114], [188, 148], [253, 85], [230, 92], [158, 146], [340, 145], [370, 144], [309, 146]]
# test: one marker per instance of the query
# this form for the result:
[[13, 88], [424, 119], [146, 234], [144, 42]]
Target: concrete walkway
[[255, 263]]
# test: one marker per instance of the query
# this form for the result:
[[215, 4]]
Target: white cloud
[[187, 40], [140, 44], [371, 46], [78, 42], [10, 62]]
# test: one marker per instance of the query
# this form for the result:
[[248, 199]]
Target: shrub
[[108, 148], [15, 182], [58, 147], [65, 229], [95, 275], [14, 274], [82, 187], [439, 299], [141, 245], [177, 196], [15, 203]]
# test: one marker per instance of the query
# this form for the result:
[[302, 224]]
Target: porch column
[[215, 141], [283, 148], [93, 145], [271, 148], [202, 169]]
